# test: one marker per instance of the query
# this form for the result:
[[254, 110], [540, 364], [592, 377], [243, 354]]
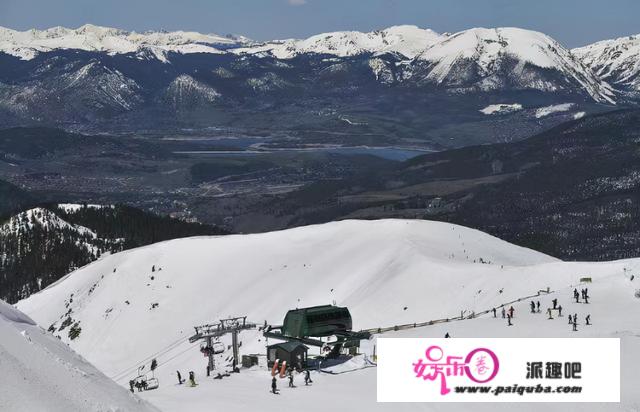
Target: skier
[[570, 320], [192, 379], [559, 310], [577, 296], [509, 320], [307, 377], [575, 292], [494, 312], [511, 309], [587, 319], [180, 381], [575, 318], [555, 303], [446, 335], [503, 313], [538, 306], [549, 313], [533, 307], [291, 378], [586, 298], [274, 386], [131, 383], [575, 327]]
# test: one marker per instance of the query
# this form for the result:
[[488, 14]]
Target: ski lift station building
[[325, 320], [294, 353]]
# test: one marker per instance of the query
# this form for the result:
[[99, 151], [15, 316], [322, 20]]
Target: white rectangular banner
[[498, 370]]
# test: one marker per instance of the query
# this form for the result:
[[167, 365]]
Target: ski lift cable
[[166, 360], [141, 363], [162, 351]]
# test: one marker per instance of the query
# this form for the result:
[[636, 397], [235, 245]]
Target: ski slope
[[387, 272], [40, 373]]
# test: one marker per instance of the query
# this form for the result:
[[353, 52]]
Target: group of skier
[[535, 308], [508, 314], [584, 293], [274, 381], [192, 378]]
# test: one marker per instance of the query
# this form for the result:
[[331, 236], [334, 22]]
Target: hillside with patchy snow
[[617, 61], [40, 373], [142, 304]]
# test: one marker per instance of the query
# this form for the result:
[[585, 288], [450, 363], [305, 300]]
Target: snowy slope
[[40, 373], [482, 55], [376, 268], [27, 44], [405, 40], [617, 61]]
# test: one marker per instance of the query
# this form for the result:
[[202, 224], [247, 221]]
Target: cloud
[[297, 2]]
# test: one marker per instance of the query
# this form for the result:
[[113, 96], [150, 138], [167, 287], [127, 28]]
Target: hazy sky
[[572, 22]]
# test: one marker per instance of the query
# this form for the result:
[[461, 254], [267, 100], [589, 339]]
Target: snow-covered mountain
[[114, 80], [142, 304], [40, 373], [40, 245], [616, 61], [27, 44], [406, 40], [508, 58]]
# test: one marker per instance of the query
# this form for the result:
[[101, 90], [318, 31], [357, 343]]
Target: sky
[[572, 22]]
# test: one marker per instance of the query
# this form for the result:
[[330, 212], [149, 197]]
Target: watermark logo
[[480, 365], [498, 370]]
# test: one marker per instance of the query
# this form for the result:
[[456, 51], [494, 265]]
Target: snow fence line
[[445, 320]]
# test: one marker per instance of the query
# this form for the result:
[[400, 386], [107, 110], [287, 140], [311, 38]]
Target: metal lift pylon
[[223, 327]]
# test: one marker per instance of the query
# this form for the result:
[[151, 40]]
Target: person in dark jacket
[[494, 312], [131, 383], [274, 386], [180, 381], [291, 378], [307, 377]]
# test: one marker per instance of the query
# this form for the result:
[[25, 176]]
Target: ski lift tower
[[231, 325]]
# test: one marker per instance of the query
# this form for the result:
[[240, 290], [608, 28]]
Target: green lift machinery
[[306, 325]]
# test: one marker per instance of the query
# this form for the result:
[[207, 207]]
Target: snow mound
[[556, 108], [40, 373], [501, 108]]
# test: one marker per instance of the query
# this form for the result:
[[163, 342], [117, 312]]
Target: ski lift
[[218, 347], [215, 349], [146, 384], [152, 384]]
